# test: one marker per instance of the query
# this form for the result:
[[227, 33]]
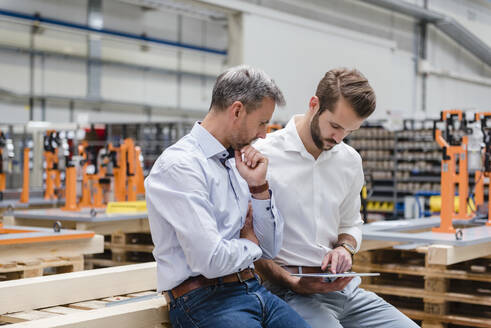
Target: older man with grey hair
[[212, 213]]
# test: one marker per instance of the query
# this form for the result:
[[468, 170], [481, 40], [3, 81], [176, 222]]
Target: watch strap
[[346, 246], [259, 189]]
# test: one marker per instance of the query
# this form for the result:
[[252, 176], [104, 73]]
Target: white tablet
[[333, 276]]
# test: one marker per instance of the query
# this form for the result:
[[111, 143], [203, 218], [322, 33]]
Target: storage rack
[[418, 159], [153, 138], [376, 147], [397, 164]]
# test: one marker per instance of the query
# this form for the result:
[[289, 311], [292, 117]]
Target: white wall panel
[[195, 93], [107, 117], [404, 83], [159, 90], [65, 78], [297, 57], [445, 93], [121, 84], [57, 115], [14, 72], [10, 113], [73, 10]]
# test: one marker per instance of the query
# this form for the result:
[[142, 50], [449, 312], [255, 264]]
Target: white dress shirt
[[196, 209], [318, 199]]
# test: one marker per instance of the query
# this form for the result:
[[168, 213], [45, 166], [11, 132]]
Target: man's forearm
[[274, 273]]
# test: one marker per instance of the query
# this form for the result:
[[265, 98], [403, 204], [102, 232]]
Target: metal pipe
[[60, 55], [111, 32]]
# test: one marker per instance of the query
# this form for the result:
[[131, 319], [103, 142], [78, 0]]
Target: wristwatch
[[347, 246]]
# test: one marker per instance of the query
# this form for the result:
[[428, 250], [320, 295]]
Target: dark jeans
[[238, 304]]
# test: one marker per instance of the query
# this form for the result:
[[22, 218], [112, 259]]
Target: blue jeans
[[238, 304]]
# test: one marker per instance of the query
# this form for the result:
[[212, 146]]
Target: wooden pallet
[[80, 308], [438, 295], [123, 248], [40, 267]]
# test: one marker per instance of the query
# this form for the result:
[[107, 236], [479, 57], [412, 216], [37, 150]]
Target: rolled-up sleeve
[[351, 221], [268, 226], [180, 195]]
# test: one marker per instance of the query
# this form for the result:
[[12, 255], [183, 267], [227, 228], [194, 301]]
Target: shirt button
[[268, 208]]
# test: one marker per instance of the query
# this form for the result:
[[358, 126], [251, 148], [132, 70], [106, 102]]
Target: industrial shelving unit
[[376, 146], [153, 138], [397, 164]]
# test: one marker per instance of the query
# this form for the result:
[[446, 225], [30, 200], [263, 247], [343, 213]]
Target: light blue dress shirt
[[196, 209]]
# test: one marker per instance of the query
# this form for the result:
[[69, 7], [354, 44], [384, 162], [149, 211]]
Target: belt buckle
[[239, 275]]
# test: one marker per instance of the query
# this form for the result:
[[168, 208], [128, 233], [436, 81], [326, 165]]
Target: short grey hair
[[247, 85]]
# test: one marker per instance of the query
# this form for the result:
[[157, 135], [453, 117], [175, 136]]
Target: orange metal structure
[[24, 196], [140, 186], [53, 178], [128, 173], [452, 153], [119, 172], [131, 169], [486, 172], [92, 193], [86, 199], [273, 127], [70, 189]]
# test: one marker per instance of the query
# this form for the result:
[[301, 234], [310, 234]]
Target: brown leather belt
[[193, 283], [302, 269]]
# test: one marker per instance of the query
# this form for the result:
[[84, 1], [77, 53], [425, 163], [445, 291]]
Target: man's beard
[[315, 132], [239, 141]]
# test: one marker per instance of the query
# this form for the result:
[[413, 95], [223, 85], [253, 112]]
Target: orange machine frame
[[24, 195], [53, 177], [449, 177], [128, 173], [119, 172], [273, 127], [479, 178], [87, 199]]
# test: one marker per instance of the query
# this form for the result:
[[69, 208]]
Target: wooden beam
[[48, 291], [109, 227], [446, 255], [415, 270], [143, 314], [65, 248], [102, 228], [367, 245], [447, 318], [428, 295]]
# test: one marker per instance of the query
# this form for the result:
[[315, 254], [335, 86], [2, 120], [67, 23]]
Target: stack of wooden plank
[[439, 286], [121, 296], [123, 248], [39, 267]]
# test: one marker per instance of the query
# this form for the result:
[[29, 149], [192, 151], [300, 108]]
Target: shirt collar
[[293, 141], [209, 144]]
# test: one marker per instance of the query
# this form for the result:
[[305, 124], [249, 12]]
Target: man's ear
[[236, 110], [314, 103]]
